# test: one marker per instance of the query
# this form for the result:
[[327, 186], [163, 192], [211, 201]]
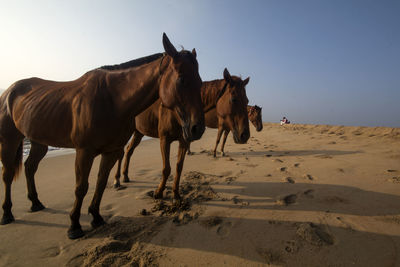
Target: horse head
[[180, 89], [232, 107], [255, 117]]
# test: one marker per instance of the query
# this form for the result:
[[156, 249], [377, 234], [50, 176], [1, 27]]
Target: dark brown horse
[[230, 97], [95, 115], [255, 117]]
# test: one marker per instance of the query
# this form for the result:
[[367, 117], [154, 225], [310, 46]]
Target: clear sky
[[322, 62]]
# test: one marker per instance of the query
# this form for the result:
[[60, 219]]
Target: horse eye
[[233, 99]]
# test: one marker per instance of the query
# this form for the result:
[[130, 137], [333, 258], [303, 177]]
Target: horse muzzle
[[242, 137], [193, 132]]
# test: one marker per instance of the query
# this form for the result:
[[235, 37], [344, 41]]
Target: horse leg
[[224, 141], [83, 164], [11, 157], [107, 162], [165, 148], [36, 154], [117, 183], [137, 138], [179, 165], [188, 150], [220, 130]]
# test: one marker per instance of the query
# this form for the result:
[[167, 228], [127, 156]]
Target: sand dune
[[295, 195]]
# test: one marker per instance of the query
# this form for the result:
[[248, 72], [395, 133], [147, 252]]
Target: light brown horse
[[95, 115], [230, 97]]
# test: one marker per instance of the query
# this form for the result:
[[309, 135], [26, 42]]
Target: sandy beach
[[294, 195]]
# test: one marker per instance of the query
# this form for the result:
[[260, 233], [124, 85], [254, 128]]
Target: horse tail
[[18, 160]]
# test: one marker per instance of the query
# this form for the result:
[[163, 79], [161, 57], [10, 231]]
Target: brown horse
[[254, 114], [229, 112], [230, 97], [95, 115]]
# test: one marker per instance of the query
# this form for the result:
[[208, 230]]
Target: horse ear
[[168, 47], [194, 52], [227, 75], [246, 81]]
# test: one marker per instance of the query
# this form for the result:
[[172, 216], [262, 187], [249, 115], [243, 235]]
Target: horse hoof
[[7, 219], [37, 206], [126, 180], [158, 194], [177, 197], [75, 233], [117, 185], [98, 223]]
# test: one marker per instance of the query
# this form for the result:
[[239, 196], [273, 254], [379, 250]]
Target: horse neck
[[141, 87], [209, 93]]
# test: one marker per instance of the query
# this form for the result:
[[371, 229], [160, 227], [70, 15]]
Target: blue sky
[[322, 62]]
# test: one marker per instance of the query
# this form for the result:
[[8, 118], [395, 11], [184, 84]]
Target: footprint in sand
[[309, 177], [282, 169], [224, 229], [314, 234], [309, 193], [277, 160], [290, 180], [390, 170], [296, 165], [288, 200]]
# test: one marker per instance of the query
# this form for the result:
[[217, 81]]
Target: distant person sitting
[[284, 121]]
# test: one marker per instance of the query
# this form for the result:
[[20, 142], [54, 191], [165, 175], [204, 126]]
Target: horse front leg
[[36, 154], [224, 141], [165, 149], [83, 164], [179, 166], [220, 130], [107, 162]]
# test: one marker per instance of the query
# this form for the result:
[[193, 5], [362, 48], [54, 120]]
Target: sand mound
[[124, 241]]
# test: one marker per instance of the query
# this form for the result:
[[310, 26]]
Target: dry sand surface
[[295, 195]]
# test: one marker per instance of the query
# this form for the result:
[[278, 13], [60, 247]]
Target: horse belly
[[211, 119], [45, 124]]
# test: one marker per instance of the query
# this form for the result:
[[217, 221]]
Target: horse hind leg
[[107, 162], [11, 157], [137, 138], [36, 154]]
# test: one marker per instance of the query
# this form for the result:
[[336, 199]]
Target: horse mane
[[133, 63]]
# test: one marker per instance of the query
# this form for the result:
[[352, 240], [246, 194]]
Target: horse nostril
[[196, 131]]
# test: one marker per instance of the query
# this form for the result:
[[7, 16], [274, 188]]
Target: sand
[[295, 195]]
